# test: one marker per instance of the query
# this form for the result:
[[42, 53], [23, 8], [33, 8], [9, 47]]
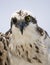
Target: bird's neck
[[28, 34]]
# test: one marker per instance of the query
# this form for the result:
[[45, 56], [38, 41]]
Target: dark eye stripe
[[33, 20], [30, 19], [14, 20]]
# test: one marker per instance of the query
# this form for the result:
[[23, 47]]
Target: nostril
[[0, 53]]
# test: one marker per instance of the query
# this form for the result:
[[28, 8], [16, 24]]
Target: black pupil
[[0, 53], [14, 20]]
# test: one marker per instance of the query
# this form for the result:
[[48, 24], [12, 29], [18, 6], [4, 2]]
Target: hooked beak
[[22, 24], [21, 29]]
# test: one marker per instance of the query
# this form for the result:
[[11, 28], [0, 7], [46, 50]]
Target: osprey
[[28, 43]]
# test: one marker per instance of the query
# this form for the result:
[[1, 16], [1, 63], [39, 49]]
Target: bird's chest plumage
[[26, 49]]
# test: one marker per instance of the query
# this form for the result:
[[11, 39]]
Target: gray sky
[[39, 8]]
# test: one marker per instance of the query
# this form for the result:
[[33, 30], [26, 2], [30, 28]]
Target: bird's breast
[[27, 49]]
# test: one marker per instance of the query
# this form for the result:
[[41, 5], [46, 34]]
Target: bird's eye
[[27, 18], [14, 20]]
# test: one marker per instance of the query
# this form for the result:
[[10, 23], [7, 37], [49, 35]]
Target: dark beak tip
[[21, 31]]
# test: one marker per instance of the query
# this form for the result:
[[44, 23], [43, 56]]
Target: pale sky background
[[39, 8]]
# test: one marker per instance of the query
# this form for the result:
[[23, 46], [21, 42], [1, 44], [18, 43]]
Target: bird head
[[20, 20]]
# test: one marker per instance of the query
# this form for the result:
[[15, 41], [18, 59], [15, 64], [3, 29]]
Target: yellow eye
[[27, 18]]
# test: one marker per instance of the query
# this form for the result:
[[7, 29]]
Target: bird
[[28, 43]]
